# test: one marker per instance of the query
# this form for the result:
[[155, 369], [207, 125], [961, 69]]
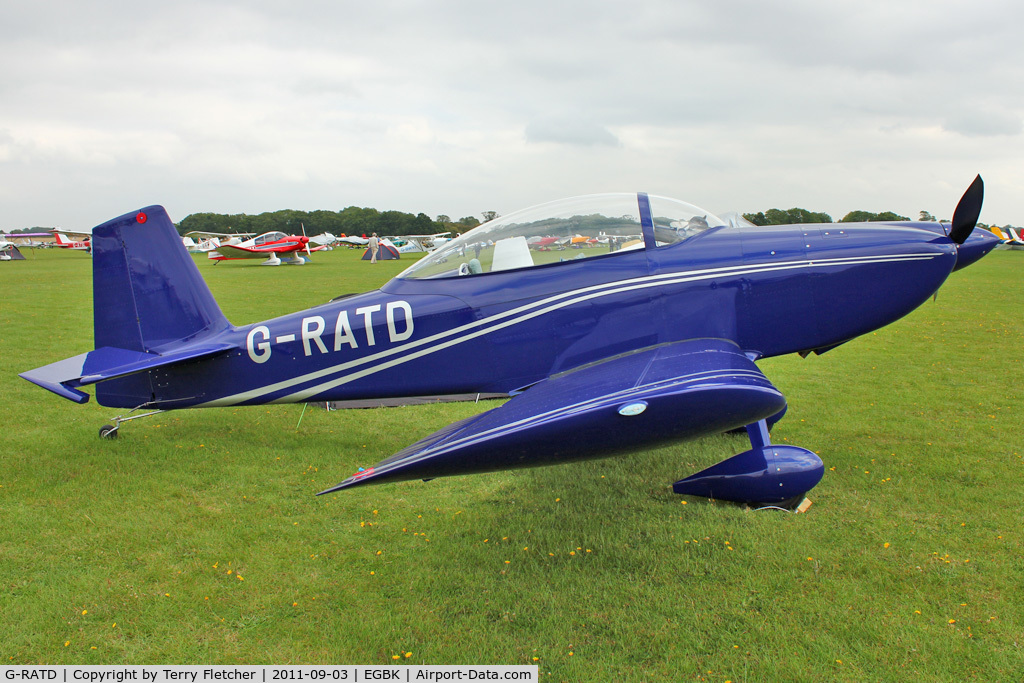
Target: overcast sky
[[462, 106]]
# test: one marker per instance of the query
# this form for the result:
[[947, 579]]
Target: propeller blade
[[308, 253], [967, 211]]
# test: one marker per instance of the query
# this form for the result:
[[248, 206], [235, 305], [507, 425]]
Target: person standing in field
[[374, 245]]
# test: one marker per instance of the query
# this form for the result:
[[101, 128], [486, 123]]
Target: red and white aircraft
[[67, 243], [269, 245]]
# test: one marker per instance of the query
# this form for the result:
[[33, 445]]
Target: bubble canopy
[[566, 230]]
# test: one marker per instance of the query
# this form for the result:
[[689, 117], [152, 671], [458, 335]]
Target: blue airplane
[[615, 322]]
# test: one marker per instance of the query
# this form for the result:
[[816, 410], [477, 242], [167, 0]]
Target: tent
[[386, 252], [11, 253]]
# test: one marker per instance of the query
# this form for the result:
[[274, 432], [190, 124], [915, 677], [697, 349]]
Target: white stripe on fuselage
[[499, 321]]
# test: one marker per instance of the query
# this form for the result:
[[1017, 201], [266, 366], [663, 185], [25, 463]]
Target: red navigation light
[[141, 217]]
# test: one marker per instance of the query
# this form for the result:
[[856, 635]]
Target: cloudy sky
[[462, 106]]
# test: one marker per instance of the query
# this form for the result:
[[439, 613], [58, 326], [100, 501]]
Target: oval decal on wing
[[631, 409]]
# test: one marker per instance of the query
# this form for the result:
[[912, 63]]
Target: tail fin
[[148, 294], [151, 310]]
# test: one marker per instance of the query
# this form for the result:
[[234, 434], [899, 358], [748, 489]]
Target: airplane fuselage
[[771, 290]]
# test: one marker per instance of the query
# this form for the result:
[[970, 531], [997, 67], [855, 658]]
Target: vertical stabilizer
[[148, 294]]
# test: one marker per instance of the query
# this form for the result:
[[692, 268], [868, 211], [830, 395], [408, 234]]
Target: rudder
[[148, 294]]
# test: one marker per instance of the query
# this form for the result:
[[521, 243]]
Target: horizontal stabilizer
[[63, 377], [665, 393]]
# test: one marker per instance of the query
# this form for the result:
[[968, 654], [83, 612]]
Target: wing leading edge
[[670, 392]]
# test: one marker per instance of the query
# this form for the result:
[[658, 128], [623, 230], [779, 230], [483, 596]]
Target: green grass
[[196, 538]]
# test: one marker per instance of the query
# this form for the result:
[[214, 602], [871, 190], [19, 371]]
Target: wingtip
[[356, 478], [336, 487]]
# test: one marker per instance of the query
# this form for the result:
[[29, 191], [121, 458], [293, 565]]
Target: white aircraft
[[417, 243], [325, 240], [209, 241], [24, 239], [408, 247]]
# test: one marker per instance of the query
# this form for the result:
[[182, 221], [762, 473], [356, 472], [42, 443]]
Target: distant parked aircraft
[[269, 245], [67, 243], [209, 241], [1008, 236]]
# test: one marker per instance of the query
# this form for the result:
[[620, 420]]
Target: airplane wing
[[235, 251], [323, 239], [203, 233], [664, 393]]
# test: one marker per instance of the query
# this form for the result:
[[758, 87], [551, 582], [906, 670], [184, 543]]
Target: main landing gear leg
[[767, 474], [110, 431]]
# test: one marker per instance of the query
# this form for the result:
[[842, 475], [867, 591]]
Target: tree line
[[350, 221], [798, 215], [365, 221]]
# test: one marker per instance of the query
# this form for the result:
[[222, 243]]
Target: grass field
[[196, 538]]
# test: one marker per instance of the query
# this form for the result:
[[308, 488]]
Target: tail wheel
[[108, 432]]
